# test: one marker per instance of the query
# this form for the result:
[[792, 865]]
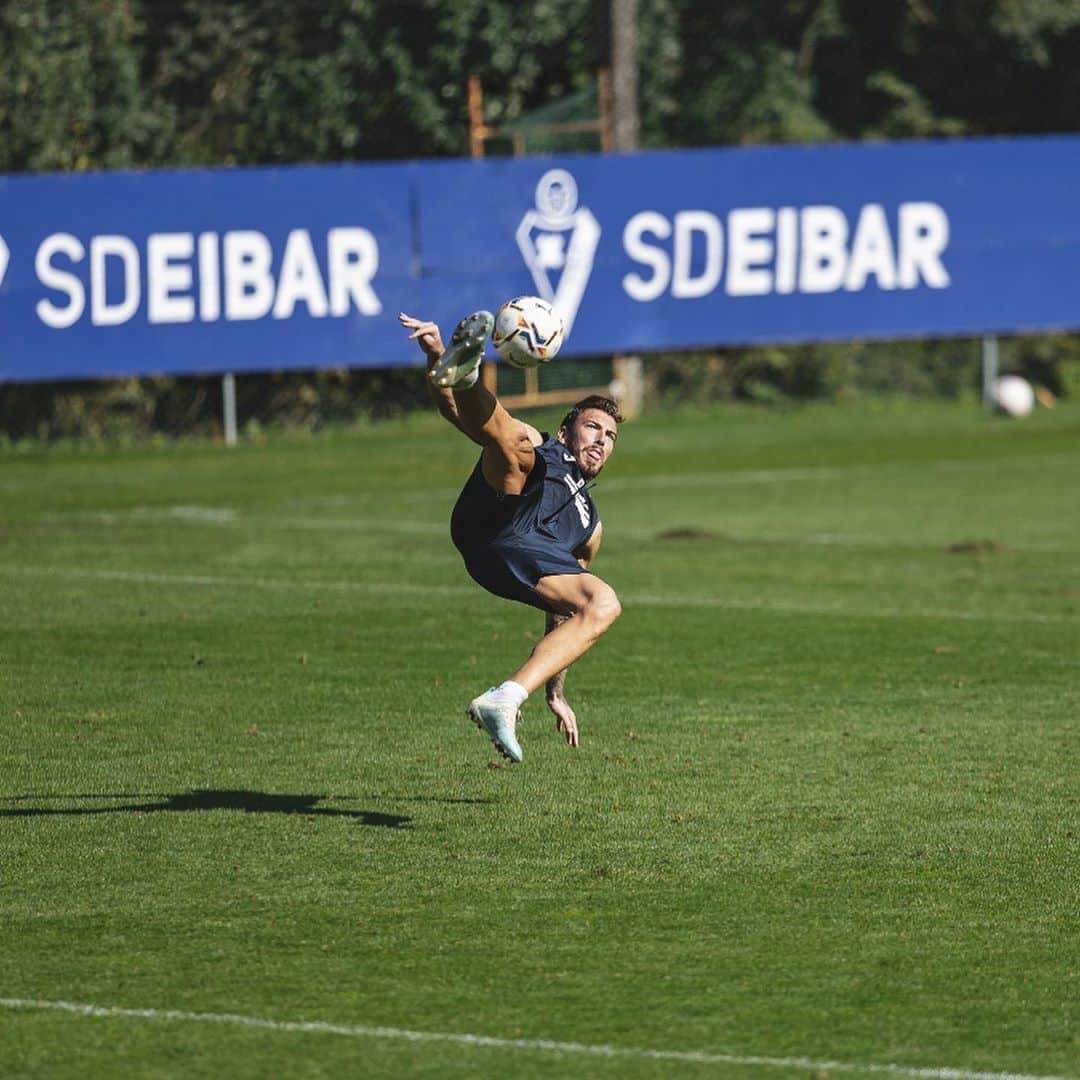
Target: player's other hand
[[565, 718], [425, 333]]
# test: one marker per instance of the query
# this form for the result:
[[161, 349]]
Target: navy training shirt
[[554, 505]]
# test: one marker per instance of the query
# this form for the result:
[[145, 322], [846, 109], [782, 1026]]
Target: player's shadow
[[249, 802]]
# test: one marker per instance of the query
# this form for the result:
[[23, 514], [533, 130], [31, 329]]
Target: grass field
[[823, 821]]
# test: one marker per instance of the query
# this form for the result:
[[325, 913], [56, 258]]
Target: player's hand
[[565, 718], [426, 334]]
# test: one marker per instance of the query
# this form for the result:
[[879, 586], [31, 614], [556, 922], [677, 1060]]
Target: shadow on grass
[[250, 802]]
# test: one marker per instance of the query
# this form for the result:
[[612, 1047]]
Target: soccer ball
[[1013, 395], [528, 331]]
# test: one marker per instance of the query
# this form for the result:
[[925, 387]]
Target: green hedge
[[139, 410], [949, 369]]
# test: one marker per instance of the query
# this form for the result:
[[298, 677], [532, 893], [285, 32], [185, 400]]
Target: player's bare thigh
[[567, 594]]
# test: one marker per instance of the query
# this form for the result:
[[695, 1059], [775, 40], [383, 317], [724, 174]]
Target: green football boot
[[465, 351]]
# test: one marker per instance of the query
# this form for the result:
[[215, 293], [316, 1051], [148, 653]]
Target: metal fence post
[[989, 369], [228, 403]]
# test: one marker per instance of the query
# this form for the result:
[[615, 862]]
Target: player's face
[[591, 438]]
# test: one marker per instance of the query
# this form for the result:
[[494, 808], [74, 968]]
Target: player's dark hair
[[593, 401]]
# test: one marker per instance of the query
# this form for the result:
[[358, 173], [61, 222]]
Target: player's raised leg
[[453, 375], [508, 443]]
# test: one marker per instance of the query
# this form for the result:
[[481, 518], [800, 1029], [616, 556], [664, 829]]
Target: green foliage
[[1038, 29], [287, 81], [911, 68], [72, 95], [907, 112], [95, 84], [135, 410], [949, 368], [103, 85], [1048, 360]]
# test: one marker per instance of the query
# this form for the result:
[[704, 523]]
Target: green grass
[[825, 805]]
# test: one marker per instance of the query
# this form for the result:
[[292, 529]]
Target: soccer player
[[524, 522]]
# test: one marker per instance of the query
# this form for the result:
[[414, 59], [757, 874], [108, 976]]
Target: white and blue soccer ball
[[528, 331]]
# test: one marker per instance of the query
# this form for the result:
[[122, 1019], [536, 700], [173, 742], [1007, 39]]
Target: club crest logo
[[558, 241]]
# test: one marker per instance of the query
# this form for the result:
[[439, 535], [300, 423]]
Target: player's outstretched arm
[[426, 334]]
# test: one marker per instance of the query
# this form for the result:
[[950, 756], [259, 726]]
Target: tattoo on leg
[[554, 686]]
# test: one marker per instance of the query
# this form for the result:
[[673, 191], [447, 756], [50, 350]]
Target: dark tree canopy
[[106, 84], [120, 83]]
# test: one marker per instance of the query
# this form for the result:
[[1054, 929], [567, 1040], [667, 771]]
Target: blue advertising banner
[[257, 269]]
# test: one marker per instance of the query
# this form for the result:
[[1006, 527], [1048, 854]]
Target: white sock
[[513, 692]]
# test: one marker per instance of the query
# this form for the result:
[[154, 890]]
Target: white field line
[[224, 516], [225, 581], [551, 1046], [632, 599]]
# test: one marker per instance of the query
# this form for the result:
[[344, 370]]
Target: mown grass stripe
[[149, 518], [654, 600]]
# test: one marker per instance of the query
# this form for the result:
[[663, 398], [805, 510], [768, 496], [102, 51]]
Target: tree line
[[93, 84], [105, 84]]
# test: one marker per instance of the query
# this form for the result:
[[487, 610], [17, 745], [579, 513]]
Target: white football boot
[[499, 718]]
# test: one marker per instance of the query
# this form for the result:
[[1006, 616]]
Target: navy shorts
[[510, 567]]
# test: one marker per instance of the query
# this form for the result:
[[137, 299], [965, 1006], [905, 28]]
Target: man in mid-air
[[524, 522]]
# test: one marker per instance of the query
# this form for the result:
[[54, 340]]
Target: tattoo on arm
[[556, 682]]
